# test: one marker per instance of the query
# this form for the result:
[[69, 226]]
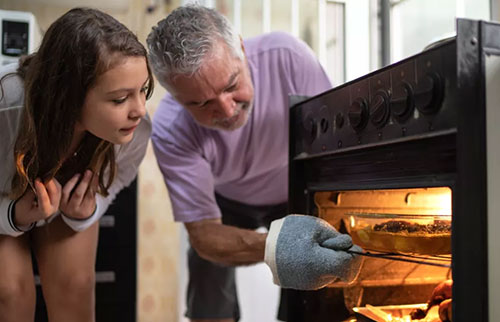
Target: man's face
[[220, 95]]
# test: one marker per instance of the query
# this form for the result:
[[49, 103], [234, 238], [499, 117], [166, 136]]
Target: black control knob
[[358, 114], [402, 102], [324, 119], [310, 125], [379, 109], [314, 129], [429, 93], [339, 120]]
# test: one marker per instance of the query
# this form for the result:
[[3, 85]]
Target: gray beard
[[221, 124]]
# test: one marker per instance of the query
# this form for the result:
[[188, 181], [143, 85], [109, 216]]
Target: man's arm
[[225, 244]]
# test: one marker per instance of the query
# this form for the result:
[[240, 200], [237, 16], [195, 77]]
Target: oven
[[406, 159]]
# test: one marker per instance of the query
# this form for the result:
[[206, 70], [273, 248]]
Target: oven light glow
[[444, 204], [436, 201], [353, 221]]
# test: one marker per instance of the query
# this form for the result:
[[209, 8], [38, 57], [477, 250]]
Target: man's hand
[[224, 244], [78, 199], [307, 253], [32, 207]]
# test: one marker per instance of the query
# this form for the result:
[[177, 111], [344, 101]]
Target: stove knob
[[402, 102], [429, 93], [358, 114], [339, 120], [310, 126], [314, 129], [379, 109]]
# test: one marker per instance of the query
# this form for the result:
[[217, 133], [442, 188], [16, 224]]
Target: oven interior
[[406, 232]]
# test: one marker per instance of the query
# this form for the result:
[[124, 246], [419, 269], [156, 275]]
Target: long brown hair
[[76, 49]]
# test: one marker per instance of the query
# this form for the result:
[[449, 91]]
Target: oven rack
[[431, 260]]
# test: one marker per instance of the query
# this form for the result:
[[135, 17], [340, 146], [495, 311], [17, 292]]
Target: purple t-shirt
[[249, 164]]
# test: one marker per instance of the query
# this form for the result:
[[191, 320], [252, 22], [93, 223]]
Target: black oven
[[419, 130]]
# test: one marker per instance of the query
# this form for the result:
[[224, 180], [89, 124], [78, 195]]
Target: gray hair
[[179, 44]]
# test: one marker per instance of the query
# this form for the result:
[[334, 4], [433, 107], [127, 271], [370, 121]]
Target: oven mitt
[[307, 253]]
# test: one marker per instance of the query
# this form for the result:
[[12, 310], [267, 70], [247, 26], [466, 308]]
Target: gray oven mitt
[[307, 253]]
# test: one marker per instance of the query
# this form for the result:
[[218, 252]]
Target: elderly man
[[221, 139]]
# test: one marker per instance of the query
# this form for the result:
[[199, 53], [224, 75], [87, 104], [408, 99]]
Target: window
[[333, 43], [338, 31], [414, 24]]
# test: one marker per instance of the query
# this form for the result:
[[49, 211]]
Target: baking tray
[[394, 313], [401, 233]]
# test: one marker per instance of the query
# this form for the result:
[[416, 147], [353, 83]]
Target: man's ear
[[242, 46]]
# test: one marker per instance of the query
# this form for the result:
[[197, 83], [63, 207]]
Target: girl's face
[[114, 106]]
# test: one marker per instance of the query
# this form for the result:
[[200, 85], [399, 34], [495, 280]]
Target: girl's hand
[[33, 207], [442, 291], [445, 310], [78, 199]]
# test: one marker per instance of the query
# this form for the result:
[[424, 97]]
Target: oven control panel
[[407, 100]]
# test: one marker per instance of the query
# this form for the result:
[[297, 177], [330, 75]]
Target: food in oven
[[394, 313], [407, 234]]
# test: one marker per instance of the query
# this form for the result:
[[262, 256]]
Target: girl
[[73, 129]]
